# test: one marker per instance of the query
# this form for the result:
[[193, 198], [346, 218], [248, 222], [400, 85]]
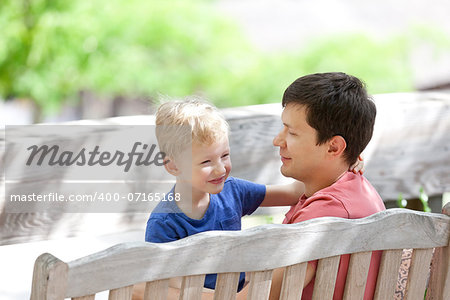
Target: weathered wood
[[123, 293], [325, 281], [410, 149], [418, 274], [439, 282], [49, 278], [208, 252], [226, 286], [259, 288], [157, 289], [388, 273], [89, 297], [293, 279], [438, 286], [192, 287], [357, 275]]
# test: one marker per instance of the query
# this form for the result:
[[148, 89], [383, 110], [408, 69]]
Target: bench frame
[[259, 250]]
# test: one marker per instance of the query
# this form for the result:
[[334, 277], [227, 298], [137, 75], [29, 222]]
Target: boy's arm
[[283, 195], [289, 194]]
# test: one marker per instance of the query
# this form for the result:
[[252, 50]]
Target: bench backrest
[[259, 250]]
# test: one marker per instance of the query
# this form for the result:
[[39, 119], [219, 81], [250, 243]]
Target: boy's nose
[[220, 168]]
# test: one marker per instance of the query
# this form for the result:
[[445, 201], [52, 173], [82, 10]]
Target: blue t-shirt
[[239, 197]]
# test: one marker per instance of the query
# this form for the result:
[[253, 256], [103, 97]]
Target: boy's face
[[300, 154], [211, 165]]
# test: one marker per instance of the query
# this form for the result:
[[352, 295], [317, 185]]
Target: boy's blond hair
[[180, 123]]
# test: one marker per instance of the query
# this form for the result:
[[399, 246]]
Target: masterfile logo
[[84, 157], [84, 168]]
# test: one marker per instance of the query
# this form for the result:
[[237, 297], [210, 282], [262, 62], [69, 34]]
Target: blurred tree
[[52, 50]]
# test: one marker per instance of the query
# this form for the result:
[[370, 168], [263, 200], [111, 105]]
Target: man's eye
[[291, 133]]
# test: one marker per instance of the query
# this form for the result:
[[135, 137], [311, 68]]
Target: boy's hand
[[358, 166]]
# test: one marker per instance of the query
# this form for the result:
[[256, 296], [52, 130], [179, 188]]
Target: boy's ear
[[336, 146], [170, 166]]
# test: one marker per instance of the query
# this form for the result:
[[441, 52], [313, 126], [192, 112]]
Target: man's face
[[300, 154]]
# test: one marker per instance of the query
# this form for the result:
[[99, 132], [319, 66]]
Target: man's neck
[[325, 179]]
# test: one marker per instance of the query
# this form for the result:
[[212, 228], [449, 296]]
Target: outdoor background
[[93, 59], [65, 60]]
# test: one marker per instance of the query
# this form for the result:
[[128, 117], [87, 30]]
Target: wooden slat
[[325, 281], [88, 297], [388, 274], [260, 282], [418, 274], [293, 279], [157, 289], [439, 283], [357, 275], [49, 278], [123, 293], [192, 287], [226, 286]]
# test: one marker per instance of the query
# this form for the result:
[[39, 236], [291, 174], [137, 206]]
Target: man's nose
[[278, 141]]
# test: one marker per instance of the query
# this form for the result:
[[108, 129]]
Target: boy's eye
[[291, 133], [226, 155], [205, 162]]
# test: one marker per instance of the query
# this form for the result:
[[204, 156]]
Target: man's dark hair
[[335, 104]]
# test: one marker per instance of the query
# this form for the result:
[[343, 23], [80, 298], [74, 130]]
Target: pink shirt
[[351, 197]]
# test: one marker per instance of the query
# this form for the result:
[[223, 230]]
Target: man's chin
[[284, 172]]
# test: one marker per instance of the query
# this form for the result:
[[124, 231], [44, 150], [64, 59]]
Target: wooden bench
[[259, 250]]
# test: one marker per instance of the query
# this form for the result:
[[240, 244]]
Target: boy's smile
[[218, 180], [210, 167]]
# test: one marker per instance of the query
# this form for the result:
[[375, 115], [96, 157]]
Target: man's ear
[[336, 146], [170, 166]]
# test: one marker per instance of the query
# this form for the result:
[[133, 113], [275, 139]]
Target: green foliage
[[50, 50], [383, 65], [401, 202], [423, 198]]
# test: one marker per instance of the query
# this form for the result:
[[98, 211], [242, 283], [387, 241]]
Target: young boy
[[207, 198], [194, 137]]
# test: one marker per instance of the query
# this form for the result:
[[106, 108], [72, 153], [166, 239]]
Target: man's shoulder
[[351, 184], [355, 193]]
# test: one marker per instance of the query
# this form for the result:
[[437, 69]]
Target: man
[[328, 121]]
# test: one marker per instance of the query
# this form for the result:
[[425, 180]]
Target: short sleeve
[[251, 195], [320, 207], [159, 232]]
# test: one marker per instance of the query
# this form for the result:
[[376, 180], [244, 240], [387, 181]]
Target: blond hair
[[179, 123]]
